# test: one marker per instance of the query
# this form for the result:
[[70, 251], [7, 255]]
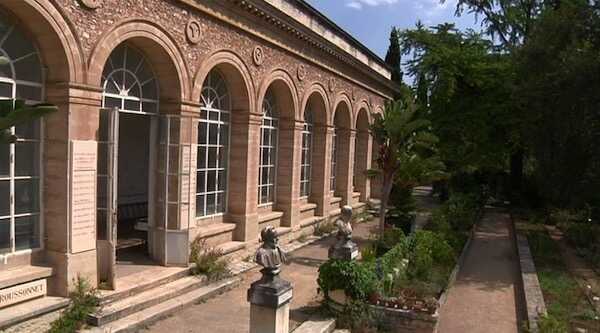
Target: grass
[[566, 303]]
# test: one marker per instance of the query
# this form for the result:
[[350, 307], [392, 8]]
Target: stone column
[[377, 180], [362, 164], [321, 168], [345, 154], [288, 171], [77, 119], [243, 174]]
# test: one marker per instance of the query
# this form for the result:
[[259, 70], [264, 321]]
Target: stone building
[[178, 119]]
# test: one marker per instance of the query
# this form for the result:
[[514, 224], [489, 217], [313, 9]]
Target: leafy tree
[[559, 83], [406, 149], [464, 86], [14, 113], [393, 56]]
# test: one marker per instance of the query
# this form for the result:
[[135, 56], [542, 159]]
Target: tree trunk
[[386, 189], [516, 174]]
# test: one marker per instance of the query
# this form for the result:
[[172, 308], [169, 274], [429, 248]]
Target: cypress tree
[[393, 56]]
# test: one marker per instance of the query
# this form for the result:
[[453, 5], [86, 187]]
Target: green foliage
[[208, 261], [558, 69], [464, 86], [565, 302], [84, 301], [324, 228], [393, 56], [407, 149], [550, 324], [357, 280], [16, 112], [426, 249]]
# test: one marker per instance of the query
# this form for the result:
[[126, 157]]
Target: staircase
[[135, 305]]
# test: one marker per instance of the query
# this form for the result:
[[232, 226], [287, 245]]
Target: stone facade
[[256, 46]]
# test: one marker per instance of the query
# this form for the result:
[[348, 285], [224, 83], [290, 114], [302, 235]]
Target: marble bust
[[344, 248], [270, 256]]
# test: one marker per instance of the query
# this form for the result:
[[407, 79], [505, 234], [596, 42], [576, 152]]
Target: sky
[[370, 21]]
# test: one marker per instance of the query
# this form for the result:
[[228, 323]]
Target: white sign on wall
[[22, 292], [84, 164]]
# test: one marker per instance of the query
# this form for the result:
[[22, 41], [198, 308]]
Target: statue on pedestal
[[344, 248], [271, 290]]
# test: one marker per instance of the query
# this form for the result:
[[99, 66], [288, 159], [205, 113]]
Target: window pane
[[222, 180], [224, 139], [201, 157], [27, 233], [211, 185], [212, 157], [221, 203], [211, 207], [200, 205], [4, 161], [110, 102], [30, 130], [4, 198], [6, 90], [202, 133], [213, 133], [28, 69], [201, 182], [264, 195], [213, 115], [26, 196], [29, 93], [222, 157], [5, 236], [26, 161], [132, 105]]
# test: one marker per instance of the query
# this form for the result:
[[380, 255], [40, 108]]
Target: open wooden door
[[108, 148]]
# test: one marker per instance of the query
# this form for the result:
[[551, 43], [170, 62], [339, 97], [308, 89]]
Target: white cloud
[[359, 4]]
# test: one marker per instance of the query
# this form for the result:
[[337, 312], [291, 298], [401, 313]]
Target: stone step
[[316, 325], [31, 309], [143, 300], [12, 277], [136, 321], [311, 220], [215, 229], [231, 247], [140, 282]]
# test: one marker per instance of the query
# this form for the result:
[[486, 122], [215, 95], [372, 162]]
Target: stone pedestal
[[344, 251], [270, 304]]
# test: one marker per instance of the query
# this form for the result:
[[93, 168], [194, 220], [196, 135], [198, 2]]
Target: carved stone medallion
[[301, 72], [258, 56], [331, 84], [193, 31], [91, 4]]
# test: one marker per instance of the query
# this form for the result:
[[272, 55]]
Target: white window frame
[[208, 107], [12, 177], [270, 124], [306, 159], [123, 96]]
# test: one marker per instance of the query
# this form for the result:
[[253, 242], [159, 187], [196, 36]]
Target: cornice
[[282, 22]]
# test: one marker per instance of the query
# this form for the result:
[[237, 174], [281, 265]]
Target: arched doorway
[[341, 168], [127, 160], [361, 155]]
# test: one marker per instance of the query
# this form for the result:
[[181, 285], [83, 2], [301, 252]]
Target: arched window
[[129, 83], [21, 78], [268, 150], [213, 146], [334, 144], [305, 167]]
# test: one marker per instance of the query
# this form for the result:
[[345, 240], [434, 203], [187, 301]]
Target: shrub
[[208, 261], [324, 228], [357, 280], [84, 300], [581, 234], [425, 249]]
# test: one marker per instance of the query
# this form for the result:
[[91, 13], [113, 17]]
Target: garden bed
[[403, 280], [568, 308]]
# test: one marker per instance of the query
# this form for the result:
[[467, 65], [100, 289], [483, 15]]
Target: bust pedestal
[[269, 300], [347, 250]]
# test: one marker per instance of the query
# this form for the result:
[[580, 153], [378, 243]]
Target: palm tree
[[407, 154], [16, 112]]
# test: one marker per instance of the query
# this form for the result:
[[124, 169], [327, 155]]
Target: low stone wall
[[532, 292]]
